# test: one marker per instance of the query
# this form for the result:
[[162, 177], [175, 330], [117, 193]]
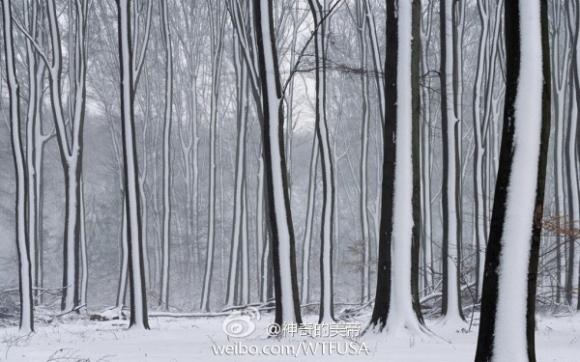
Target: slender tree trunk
[[22, 241], [363, 171], [451, 308], [164, 296], [237, 232], [572, 190], [326, 158], [307, 241], [376, 57], [34, 144], [84, 257], [479, 226], [576, 149], [425, 151], [217, 52]]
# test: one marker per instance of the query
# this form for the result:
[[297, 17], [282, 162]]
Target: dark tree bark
[[22, 242], [383, 290], [394, 301], [451, 258], [494, 319], [326, 159], [416, 155], [276, 186], [137, 291]]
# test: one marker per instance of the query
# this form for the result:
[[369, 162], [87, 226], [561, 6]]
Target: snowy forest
[[200, 179]]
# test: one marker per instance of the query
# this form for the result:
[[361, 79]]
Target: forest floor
[[204, 339]]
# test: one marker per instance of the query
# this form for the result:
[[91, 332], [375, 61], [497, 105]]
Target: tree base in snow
[[110, 314]]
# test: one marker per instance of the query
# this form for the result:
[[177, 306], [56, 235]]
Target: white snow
[[192, 340], [401, 313], [288, 313], [510, 337]]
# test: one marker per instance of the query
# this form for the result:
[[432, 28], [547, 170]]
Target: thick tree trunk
[[509, 288], [277, 198], [139, 316], [396, 302]]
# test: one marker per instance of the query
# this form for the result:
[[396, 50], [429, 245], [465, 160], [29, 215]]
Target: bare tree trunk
[[139, 316], [326, 158], [509, 290], [362, 25], [22, 241], [164, 295], [217, 36], [277, 198], [238, 236], [396, 295], [451, 309]]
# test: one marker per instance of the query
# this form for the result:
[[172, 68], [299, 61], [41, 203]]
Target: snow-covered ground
[[203, 339]]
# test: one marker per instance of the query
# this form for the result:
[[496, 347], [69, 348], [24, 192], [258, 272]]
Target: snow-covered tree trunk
[[572, 206], [240, 183], [362, 24], [451, 308], [394, 307], [164, 295], [289, 129], [245, 252], [560, 63], [574, 128], [478, 210], [376, 57], [217, 36], [507, 324], [70, 141], [261, 238], [425, 149], [139, 316], [278, 202], [84, 256], [326, 160], [22, 241], [34, 145], [490, 122], [307, 239]]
